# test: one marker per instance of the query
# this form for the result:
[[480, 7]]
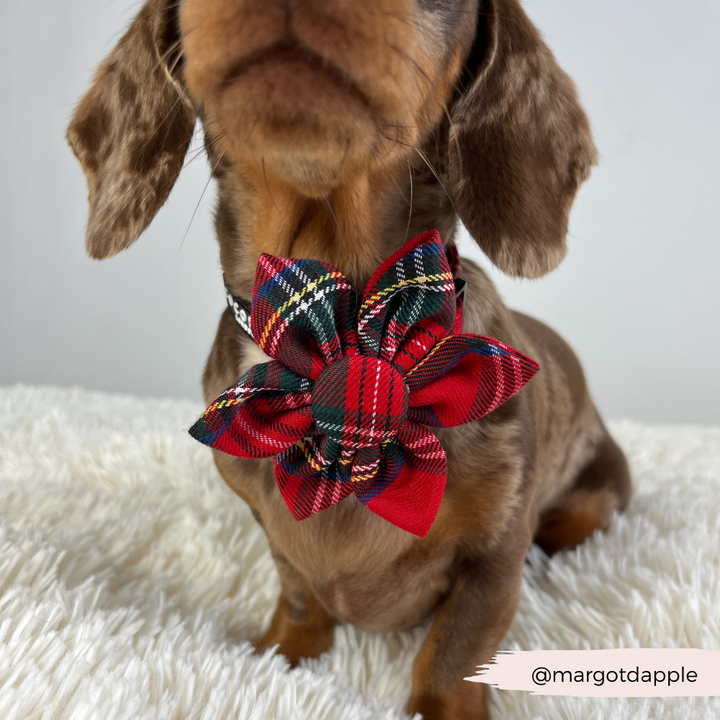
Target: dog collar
[[346, 403], [240, 308]]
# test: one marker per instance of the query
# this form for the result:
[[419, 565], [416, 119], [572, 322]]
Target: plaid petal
[[409, 303], [306, 488], [465, 377], [267, 411], [409, 485], [303, 313], [405, 487]]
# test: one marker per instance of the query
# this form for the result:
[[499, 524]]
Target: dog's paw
[[295, 642]]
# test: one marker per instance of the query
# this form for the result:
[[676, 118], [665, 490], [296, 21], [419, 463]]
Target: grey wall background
[[638, 296]]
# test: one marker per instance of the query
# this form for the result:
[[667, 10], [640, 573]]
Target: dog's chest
[[363, 569]]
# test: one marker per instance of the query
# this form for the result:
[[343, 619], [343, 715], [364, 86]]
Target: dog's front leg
[[467, 630], [300, 626]]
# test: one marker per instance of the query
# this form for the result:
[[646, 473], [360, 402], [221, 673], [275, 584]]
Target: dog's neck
[[358, 225]]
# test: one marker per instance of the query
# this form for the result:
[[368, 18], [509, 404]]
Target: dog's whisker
[[194, 155], [410, 213], [173, 47], [197, 207], [398, 142], [392, 178], [419, 70], [427, 162], [437, 176]]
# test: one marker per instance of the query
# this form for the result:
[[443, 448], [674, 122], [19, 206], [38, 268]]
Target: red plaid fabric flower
[[345, 404]]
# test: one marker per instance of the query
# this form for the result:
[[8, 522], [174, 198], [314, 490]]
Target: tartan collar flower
[[345, 404]]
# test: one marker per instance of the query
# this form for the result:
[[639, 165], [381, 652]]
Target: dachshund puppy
[[336, 130]]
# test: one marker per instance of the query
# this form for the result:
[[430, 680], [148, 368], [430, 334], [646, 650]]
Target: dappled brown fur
[[130, 133], [338, 130]]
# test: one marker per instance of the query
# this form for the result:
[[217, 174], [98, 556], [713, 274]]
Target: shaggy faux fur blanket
[[131, 579]]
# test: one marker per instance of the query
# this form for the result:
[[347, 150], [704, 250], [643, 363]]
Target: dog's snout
[[311, 86]]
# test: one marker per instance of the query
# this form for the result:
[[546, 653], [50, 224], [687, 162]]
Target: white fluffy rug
[[131, 579]]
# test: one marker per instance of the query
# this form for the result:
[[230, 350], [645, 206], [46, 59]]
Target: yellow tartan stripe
[[412, 281], [225, 403], [292, 301], [432, 352], [363, 478], [360, 478], [308, 456]]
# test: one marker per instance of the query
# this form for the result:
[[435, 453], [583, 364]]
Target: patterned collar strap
[[240, 308], [354, 385]]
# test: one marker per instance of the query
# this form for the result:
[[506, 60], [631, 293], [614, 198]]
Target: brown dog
[[337, 130]]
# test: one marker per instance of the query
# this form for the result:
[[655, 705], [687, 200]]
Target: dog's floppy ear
[[520, 144], [132, 129]]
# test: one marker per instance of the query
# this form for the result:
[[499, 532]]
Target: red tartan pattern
[[345, 404]]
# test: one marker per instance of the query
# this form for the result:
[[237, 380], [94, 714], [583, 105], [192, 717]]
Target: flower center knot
[[360, 401]]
